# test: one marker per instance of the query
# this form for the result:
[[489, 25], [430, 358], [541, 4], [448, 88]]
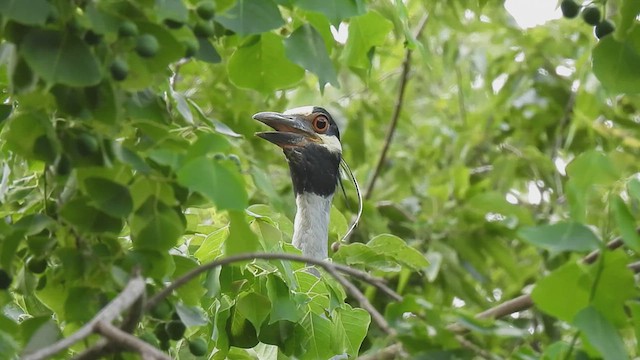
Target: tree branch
[[331, 268], [129, 341], [404, 78], [134, 289]]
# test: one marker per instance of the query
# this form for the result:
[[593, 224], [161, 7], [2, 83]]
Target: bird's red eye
[[321, 124]]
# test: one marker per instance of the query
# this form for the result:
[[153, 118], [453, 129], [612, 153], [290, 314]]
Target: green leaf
[[262, 65], [363, 255], [306, 48], [633, 188], [397, 249], [626, 223], [219, 181], [192, 315], [191, 292], [43, 332], [615, 63], [5, 111], [23, 130], [613, 285], [81, 304], [110, 197], [282, 305], [350, 327], [172, 9], [634, 308], [156, 226], [254, 307], [560, 237], [60, 58], [32, 12], [334, 10], [206, 52], [625, 17], [562, 293], [251, 17], [365, 32], [318, 331], [601, 334], [87, 218], [221, 308], [241, 238]]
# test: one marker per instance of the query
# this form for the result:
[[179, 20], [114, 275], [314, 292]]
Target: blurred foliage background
[[127, 140]]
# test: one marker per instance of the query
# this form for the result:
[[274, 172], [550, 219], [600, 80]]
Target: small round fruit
[[191, 48], [591, 15], [604, 28], [570, 8], [127, 28], [147, 45], [162, 310], [204, 29], [175, 329], [198, 346], [92, 38], [161, 333], [87, 144], [5, 280], [206, 10], [119, 69], [36, 265]]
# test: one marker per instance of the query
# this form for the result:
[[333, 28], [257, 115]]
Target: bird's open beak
[[291, 130]]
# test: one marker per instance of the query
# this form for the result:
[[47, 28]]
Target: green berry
[[161, 333], [147, 45], [127, 28], [5, 280], [175, 329], [570, 8], [87, 144], [119, 69], [36, 266], [162, 310], [591, 15], [198, 346], [204, 29], [206, 10], [604, 28]]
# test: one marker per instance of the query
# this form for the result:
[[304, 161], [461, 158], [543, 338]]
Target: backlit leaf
[[110, 197], [626, 223], [219, 181], [560, 237], [262, 65], [601, 334], [614, 63], [306, 48], [251, 17], [365, 32]]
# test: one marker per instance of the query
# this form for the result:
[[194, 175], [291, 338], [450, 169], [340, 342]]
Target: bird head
[[310, 140]]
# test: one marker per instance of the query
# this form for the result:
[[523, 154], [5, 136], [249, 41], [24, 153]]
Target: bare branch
[[404, 79], [129, 341], [364, 302], [377, 282], [134, 289]]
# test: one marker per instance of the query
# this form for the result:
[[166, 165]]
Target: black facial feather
[[314, 169]]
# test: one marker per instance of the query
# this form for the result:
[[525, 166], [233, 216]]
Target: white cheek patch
[[303, 110], [331, 143]]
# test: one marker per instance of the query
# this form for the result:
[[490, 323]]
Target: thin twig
[[404, 78], [524, 302], [129, 341], [162, 294], [134, 289], [364, 302]]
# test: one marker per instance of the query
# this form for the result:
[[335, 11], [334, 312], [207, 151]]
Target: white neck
[[311, 225]]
